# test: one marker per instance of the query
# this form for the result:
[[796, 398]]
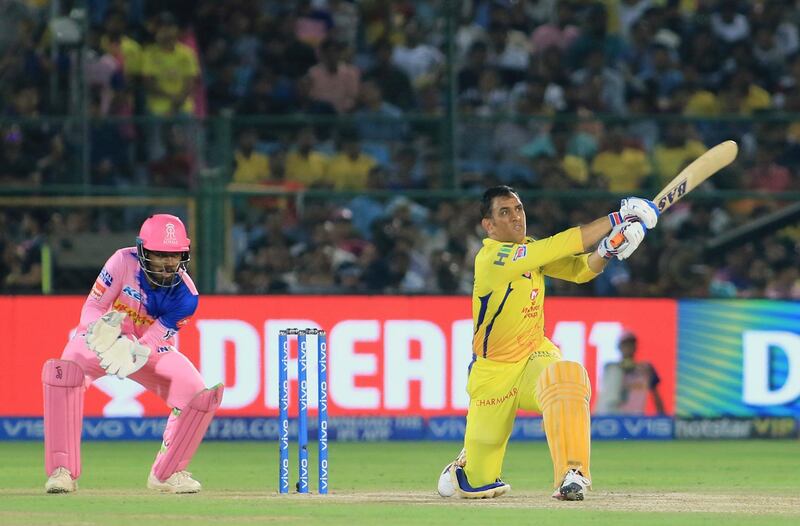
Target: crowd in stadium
[[549, 95]]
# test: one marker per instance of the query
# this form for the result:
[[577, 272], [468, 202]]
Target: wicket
[[302, 417]]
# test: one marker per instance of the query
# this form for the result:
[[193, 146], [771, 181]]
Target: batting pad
[[63, 415], [185, 431], [563, 391]]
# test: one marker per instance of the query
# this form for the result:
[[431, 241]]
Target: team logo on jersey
[[521, 252], [106, 278], [169, 234], [534, 294], [169, 334], [132, 293]]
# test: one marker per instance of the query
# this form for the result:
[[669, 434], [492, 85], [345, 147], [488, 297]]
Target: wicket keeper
[[514, 366], [139, 302]]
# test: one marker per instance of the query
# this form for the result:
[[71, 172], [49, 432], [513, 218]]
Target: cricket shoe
[[178, 482], [60, 481], [572, 487], [453, 480], [446, 486]]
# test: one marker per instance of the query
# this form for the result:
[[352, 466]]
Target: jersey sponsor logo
[[534, 294], [521, 252], [97, 290], [133, 315], [497, 401], [106, 278], [169, 334], [132, 293], [163, 349], [502, 254]]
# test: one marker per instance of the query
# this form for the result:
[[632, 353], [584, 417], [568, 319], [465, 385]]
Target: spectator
[[251, 166], [393, 81], [727, 24], [283, 52], [627, 383], [662, 76], [350, 168], [311, 25], [477, 60], [376, 119], [333, 80], [171, 70], [785, 282], [556, 146], [175, 169], [24, 259], [676, 149], [605, 83], [125, 49], [559, 33], [594, 35], [303, 164], [508, 52], [346, 20], [622, 166], [420, 61], [767, 174], [17, 166]]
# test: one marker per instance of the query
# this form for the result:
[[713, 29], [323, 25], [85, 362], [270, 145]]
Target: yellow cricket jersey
[[508, 294], [350, 174], [171, 70], [253, 168], [306, 170]]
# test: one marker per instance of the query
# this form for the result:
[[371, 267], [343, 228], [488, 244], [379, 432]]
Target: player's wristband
[[615, 218]]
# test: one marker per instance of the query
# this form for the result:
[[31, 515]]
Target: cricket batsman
[[514, 366], [139, 302]]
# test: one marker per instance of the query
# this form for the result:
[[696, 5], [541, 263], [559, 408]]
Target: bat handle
[[617, 240]]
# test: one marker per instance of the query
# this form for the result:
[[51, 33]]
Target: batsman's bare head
[[502, 215]]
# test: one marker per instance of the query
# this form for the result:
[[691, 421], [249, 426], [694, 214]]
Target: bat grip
[[617, 240]]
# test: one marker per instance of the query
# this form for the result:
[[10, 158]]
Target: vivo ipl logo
[[673, 195], [323, 416], [284, 431], [302, 374]]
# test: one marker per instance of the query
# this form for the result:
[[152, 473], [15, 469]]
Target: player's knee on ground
[[63, 415], [563, 391]]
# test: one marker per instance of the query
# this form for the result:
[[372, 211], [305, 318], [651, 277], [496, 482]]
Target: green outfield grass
[[685, 483]]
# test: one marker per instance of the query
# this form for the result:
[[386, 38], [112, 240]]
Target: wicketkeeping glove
[[101, 334], [124, 357]]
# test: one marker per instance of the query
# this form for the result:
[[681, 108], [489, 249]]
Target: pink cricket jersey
[[154, 314]]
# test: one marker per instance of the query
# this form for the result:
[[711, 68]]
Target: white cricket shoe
[[178, 482], [60, 481], [446, 486], [453, 480], [573, 486]]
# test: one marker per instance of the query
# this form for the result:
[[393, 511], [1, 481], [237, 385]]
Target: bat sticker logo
[[672, 195]]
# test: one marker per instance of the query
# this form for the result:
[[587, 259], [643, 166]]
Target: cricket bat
[[691, 177]]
